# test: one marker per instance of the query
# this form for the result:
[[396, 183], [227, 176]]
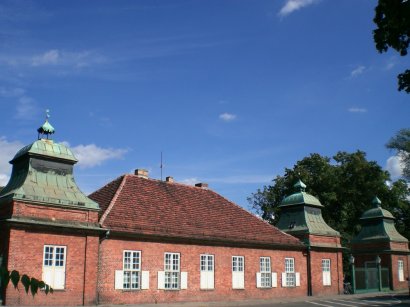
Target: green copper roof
[[378, 225], [300, 197], [46, 148], [377, 211], [46, 128], [301, 214], [43, 173]]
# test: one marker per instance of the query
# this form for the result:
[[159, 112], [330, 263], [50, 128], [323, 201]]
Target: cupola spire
[[376, 202], [46, 129], [300, 186]]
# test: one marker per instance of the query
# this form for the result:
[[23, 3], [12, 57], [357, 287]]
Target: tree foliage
[[401, 143], [345, 185], [393, 30], [30, 284]]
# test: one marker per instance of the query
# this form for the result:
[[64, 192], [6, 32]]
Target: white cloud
[[11, 92], [294, 5], [395, 165], [227, 117], [54, 57], [357, 71], [26, 108], [91, 155], [190, 181], [7, 152], [357, 110], [47, 58]]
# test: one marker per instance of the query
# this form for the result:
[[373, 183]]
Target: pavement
[[403, 295]]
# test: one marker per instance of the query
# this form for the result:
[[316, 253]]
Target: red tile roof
[[131, 204]]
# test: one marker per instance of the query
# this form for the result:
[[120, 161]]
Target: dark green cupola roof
[[43, 173], [378, 226], [301, 213], [46, 129]]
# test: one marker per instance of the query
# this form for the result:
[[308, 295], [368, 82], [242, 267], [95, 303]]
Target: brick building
[[380, 255], [141, 240]]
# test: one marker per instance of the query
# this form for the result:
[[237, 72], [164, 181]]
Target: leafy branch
[[30, 284]]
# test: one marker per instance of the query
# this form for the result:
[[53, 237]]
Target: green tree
[[393, 30], [344, 184], [401, 143]]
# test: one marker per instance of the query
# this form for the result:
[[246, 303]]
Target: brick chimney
[[201, 185], [142, 173], [169, 179]]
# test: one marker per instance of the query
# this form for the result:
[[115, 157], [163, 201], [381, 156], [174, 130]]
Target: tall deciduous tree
[[345, 185], [393, 30], [401, 143]]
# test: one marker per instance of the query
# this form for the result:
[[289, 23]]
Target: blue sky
[[231, 92]]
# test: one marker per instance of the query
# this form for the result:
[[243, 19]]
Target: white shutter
[[284, 280], [274, 279], [47, 276], [238, 280], [119, 280], [210, 280], [241, 280], [258, 280], [326, 279], [161, 280], [297, 275], [59, 278], [203, 280], [184, 280], [144, 280]]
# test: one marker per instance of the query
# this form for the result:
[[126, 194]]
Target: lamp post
[[379, 271], [351, 262], [1, 286]]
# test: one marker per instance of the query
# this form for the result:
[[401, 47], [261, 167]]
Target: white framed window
[[400, 266], [172, 269], [54, 264], [131, 269], [264, 276], [131, 277], [290, 278], [238, 276], [207, 271], [326, 272]]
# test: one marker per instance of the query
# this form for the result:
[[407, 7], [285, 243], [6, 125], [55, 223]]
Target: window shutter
[[59, 278], [184, 280], [258, 280], [241, 280], [326, 279], [47, 276], [238, 280], [204, 280], [274, 279], [119, 279], [144, 280], [161, 280], [210, 280], [297, 275], [284, 280]]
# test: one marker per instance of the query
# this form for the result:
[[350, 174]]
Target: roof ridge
[[174, 182], [114, 199], [252, 215]]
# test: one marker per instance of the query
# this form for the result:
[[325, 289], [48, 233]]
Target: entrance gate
[[367, 278]]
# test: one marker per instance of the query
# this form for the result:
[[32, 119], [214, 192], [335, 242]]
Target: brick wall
[[152, 260], [336, 273], [26, 256], [399, 285], [54, 213]]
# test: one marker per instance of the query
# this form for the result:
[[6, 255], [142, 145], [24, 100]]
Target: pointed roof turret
[[301, 213], [46, 129], [43, 173], [378, 225]]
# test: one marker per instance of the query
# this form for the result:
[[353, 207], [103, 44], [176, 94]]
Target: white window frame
[[290, 274], [207, 269], [172, 269], [131, 270], [238, 275], [54, 266], [400, 269], [326, 272], [265, 279]]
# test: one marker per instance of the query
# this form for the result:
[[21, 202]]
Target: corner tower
[[301, 216], [50, 226]]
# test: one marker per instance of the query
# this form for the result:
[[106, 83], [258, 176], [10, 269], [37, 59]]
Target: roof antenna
[[161, 166]]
